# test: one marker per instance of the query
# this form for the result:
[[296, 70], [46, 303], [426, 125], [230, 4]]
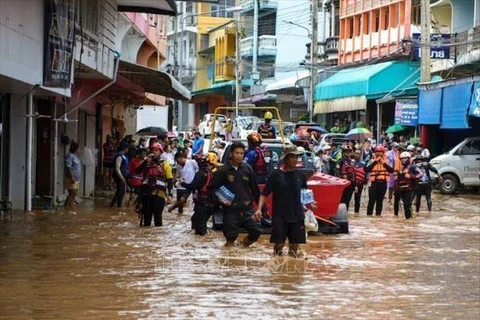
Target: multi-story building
[[449, 106], [82, 87], [374, 63], [185, 45]]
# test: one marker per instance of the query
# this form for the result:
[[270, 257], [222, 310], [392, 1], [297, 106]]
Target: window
[[218, 10], [471, 148], [88, 15]]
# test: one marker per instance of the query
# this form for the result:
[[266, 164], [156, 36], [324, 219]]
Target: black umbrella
[[152, 131]]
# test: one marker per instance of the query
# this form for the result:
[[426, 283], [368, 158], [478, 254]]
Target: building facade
[[101, 82]]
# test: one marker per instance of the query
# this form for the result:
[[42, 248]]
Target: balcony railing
[[267, 46], [464, 51], [247, 5], [331, 45], [357, 6]]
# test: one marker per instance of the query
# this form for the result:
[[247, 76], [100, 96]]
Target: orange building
[[372, 29]]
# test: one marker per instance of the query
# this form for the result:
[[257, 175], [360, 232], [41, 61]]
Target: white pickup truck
[[459, 166], [205, 127]]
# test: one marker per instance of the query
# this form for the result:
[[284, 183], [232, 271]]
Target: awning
[[430, 106], [341, 104], [292, 82], [455, 102], [154, 81], [227, 87], [371, 81], [162, 7]]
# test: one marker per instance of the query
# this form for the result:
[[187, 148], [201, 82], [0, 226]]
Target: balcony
[[224, 71], [263, 6], [267, 47]]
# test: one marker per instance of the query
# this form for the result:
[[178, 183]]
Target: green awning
[[226, 87], [372, 81]]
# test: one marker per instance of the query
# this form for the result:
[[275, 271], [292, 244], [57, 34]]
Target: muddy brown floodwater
[[97, 263]]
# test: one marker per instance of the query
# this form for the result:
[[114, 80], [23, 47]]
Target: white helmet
[[411, 148], [405, 154]]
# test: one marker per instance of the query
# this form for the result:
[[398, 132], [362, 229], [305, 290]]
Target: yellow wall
[[443, 16], [205, 24]]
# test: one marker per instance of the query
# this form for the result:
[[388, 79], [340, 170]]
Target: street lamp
[[300, 26]]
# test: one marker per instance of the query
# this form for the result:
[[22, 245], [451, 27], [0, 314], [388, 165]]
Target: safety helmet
[[411, 147], [156, 146], [268, 115], [405, 154], [379, 148], [254, 138], [212, 157]]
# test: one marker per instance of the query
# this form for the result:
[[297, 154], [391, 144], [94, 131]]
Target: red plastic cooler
[[327, 191]]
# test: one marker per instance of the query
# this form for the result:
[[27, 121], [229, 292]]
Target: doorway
[[44, 182]]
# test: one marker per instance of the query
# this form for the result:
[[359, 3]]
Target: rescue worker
[[135, 181], [379, 168], [157, 185], [346, 169], [120, 174], [260, 159], [360, 178], [266, 130], [335, 156], [424, 186], [238, 177], [407, 177], [204, 202]]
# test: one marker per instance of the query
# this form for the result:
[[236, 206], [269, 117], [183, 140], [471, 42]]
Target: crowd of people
[[151, 173]]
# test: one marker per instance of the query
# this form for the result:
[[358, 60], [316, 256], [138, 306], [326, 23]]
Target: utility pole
[[237, 64], [255, 41], [174, 69], [313, 59], [425, 42]]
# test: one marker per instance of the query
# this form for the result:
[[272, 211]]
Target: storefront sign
[[59, 42], [436, 52], [406, 112]]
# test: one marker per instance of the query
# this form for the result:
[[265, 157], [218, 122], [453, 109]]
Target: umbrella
[[359, 134], [317, 128], [152, 131], [395, 128]]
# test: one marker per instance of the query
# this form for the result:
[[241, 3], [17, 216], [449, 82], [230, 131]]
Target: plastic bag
[[89, 156], [311, 223]]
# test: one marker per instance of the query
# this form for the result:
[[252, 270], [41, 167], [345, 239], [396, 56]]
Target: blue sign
[[406, 112], [436, 52]]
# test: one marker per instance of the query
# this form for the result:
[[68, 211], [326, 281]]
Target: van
[[459, 166]]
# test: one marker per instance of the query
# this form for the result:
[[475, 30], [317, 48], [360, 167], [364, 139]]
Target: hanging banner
[[406, 112], [59, 43]]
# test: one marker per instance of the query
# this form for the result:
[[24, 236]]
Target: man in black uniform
[[238, 177], [204, 202], [424, 186], [288, 218]]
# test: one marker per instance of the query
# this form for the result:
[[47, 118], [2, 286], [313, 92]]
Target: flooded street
[[98, 264]]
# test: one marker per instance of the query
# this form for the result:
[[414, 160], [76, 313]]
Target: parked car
[[205, 127], [459, 166], [241, 124]]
